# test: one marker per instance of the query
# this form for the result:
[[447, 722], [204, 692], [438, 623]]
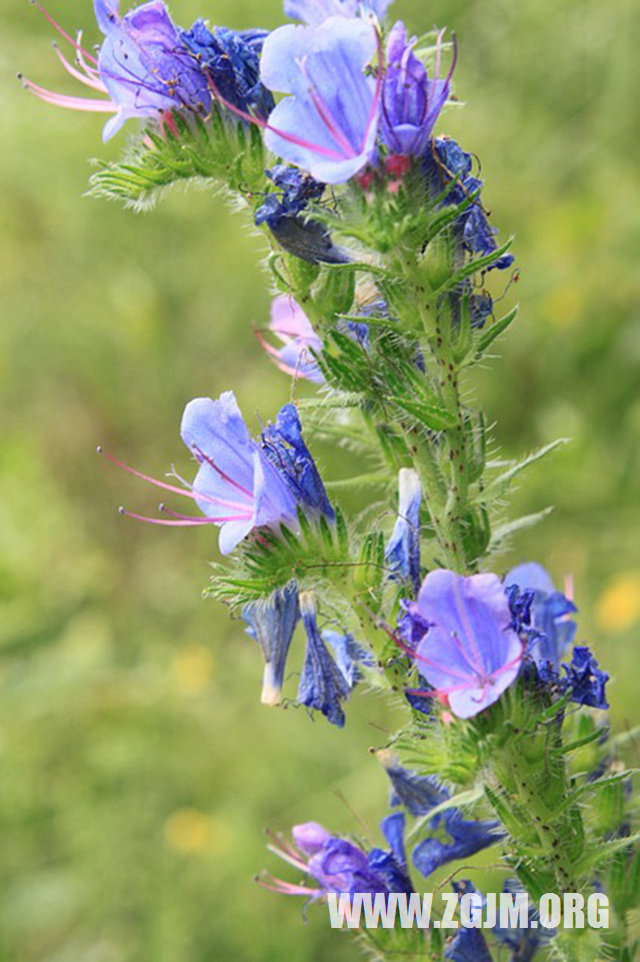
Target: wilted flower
[[329, 122], [284, 448], [402, 552], [349, 655], [469, 653], [283, 213], [322, 684], [299, 341], [585, 680], [552, 630], [143, 67], [272, 622], [411, 102], [468, 945]]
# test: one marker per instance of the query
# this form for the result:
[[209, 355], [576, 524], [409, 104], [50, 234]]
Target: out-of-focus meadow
[[137, 767]]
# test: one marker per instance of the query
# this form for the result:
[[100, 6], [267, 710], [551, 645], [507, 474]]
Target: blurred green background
[[137, 767]]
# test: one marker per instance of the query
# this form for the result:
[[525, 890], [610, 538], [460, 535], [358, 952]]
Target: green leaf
[[503, 531], [507, 476], [489, 335], [431, 415]]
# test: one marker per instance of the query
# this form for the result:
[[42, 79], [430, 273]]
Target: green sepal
[[489, 334]]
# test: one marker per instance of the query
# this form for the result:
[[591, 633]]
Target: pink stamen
[[187, 523], [63, 33], [189, 517], [428, 661], [284, 888], [172, 487], [71, 103], [88, 81], [80, 55], [373, 113]]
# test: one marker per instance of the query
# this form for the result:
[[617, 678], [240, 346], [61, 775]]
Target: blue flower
[[272, 622], [313, 12], [299, 341], [444, 162], [467, 836], [284, 448], [322, 684], [523, 942], [468, 945], [392, 864], [469, 654], [417, 793], [402, 552], [349, 655], [552, 629], [236, 487], [585, 680], [411, 102], [144, 65], [283, 213], [231, 60], [329, 123]]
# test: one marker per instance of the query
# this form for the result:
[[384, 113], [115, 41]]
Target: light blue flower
[[328, 124], [313, 12], [322, 684]]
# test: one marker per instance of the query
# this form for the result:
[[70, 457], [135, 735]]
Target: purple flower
[[272, 622], [338, 865], [299, 341], [552, 629], [402, 552], [417, 793], [467, 837], [523, 942], [443, 162], [329, 123], [322, 684], [142, 66], [585, 680], [284, 448], [235, 475], [470, 654], [313, 12], [411, 102], [231, 61]]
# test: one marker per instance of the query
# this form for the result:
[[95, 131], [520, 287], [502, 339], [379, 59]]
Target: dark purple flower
[[402, 552], [231, 61], [328, 124], [462, 839], [552, 629], [468, 945], [585, 680], [417, 793], [284, 448], [470, 653], [349, 655], [272, 622], [411, 102], [322, 684]]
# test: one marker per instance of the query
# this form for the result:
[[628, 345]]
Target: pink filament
[[63, 33], [86, 79]]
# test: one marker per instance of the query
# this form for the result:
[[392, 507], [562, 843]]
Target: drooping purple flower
[[231, 61], [283, 213], [272, 622], [349, 655], [338, 865], [328, 124], [402, 552], [585, 680], [299, 341], [411, 101], [322, 684], [552, 630], [466, 837], [314, 12], [236, 487], [285, 449], [142, 66], [417, 793], [470, 653], [443, 163]]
